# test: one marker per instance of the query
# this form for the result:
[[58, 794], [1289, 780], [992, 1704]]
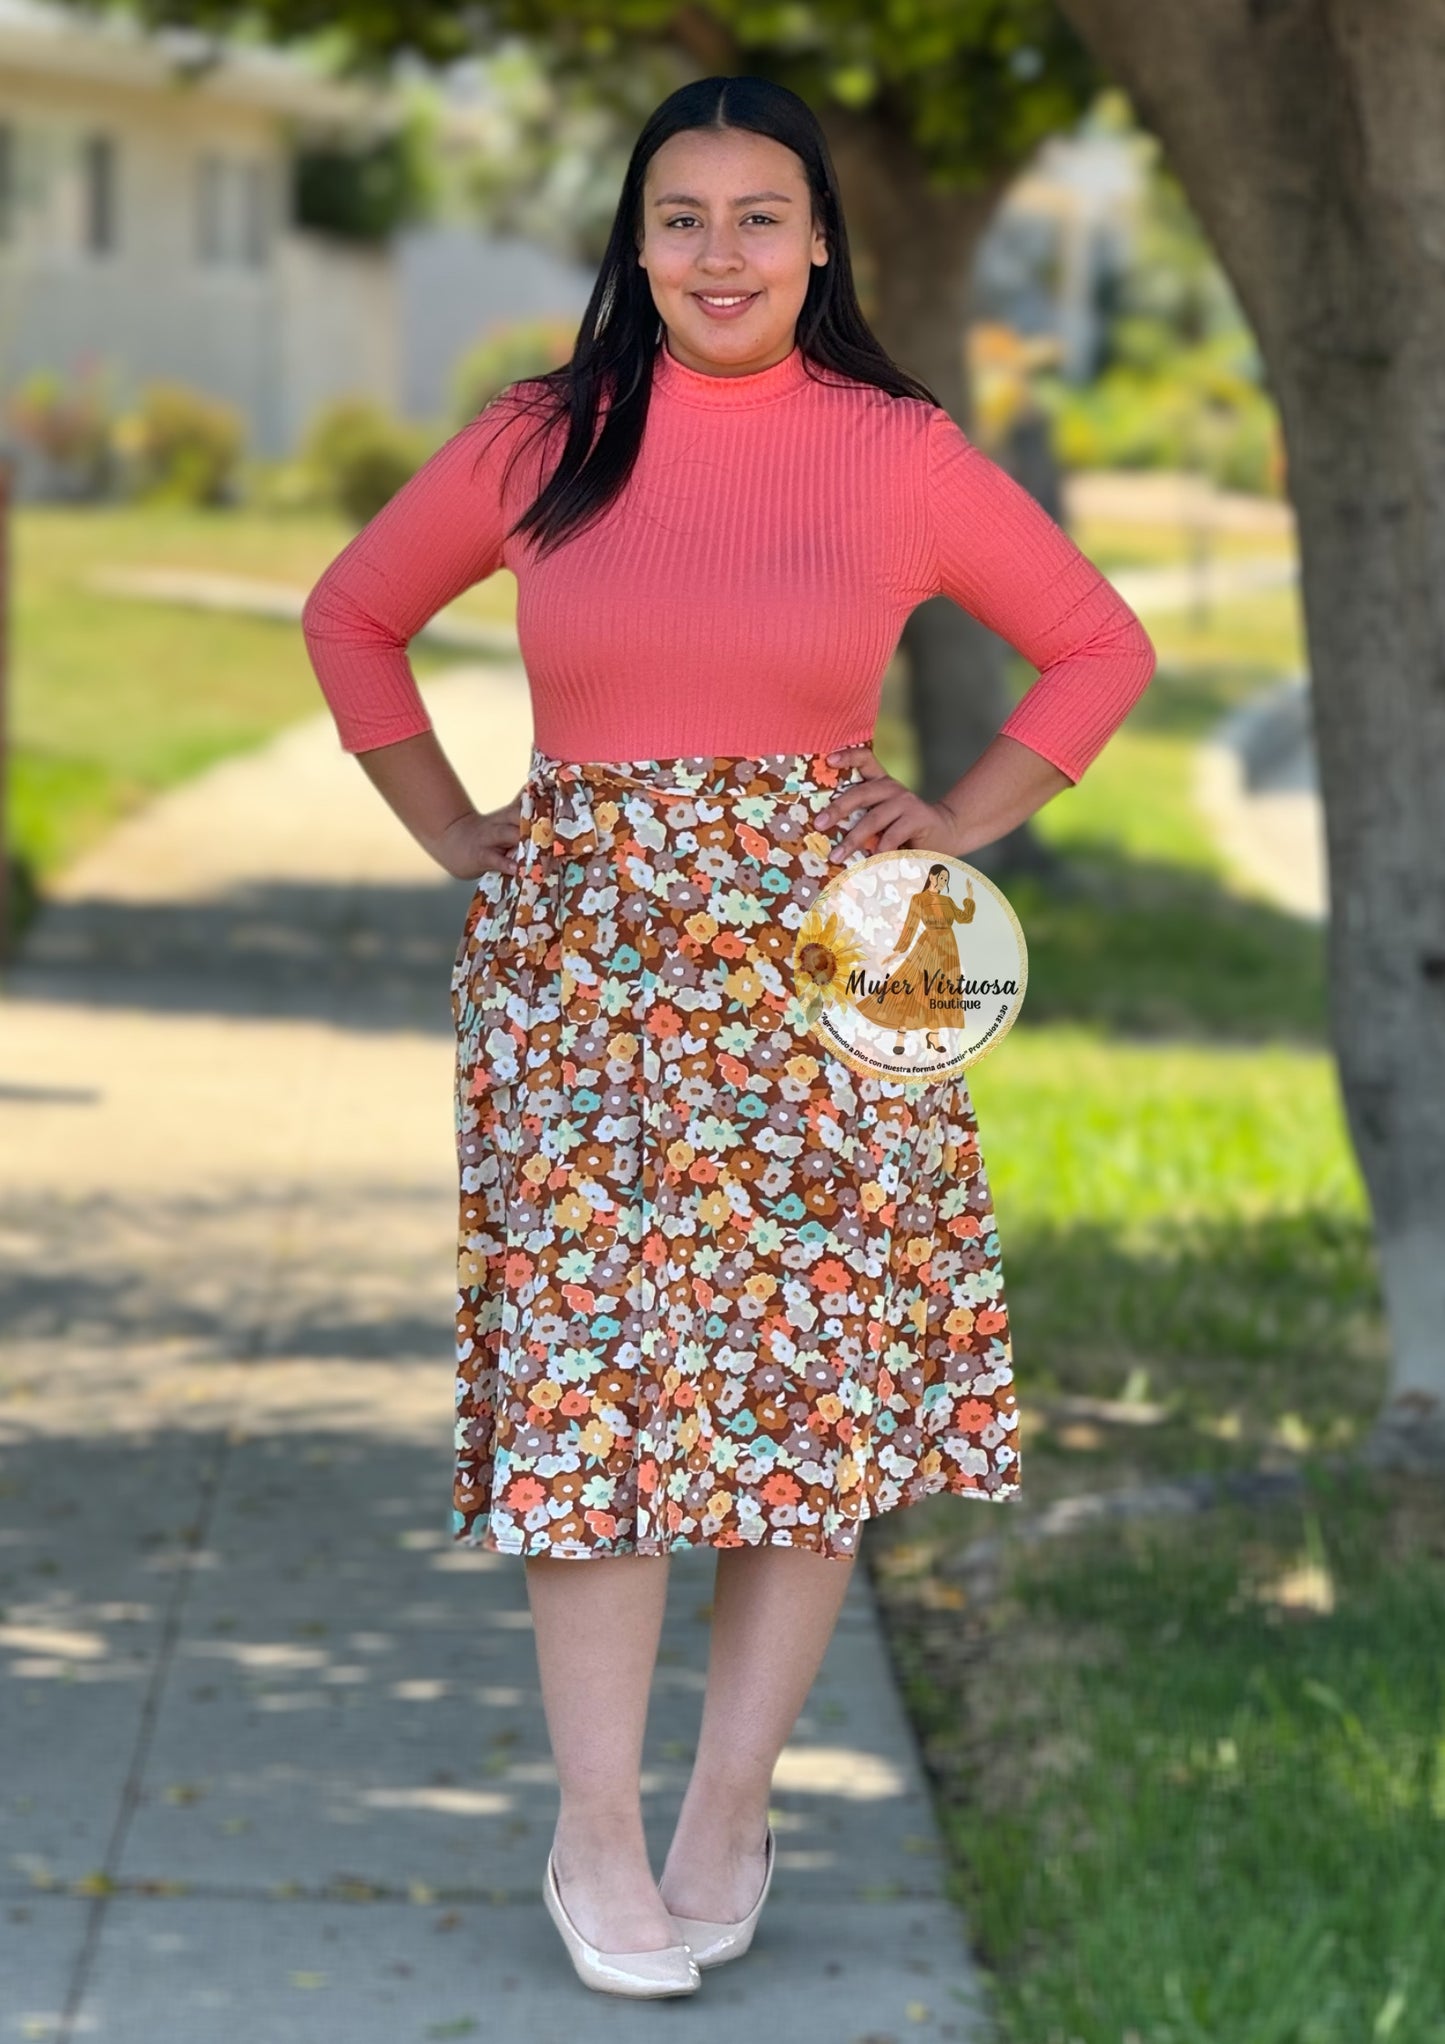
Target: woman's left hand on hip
[[884, 815]]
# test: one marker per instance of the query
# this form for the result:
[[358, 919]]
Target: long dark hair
[[620, 329]]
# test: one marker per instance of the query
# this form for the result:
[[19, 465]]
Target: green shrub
[[506, 352], [1252, 458], [361, 455], [365, 191], [181, 447], [279, 487], [1192, 408], [67, 421]]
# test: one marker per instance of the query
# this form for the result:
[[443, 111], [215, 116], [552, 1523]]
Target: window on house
[[232, 211], [98, 186], [9, 200]]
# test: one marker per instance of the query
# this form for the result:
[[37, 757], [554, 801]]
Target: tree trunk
[[1307, 134], [916, 246]]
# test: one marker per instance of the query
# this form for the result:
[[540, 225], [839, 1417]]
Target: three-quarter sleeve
[[443, 531], [1003, 559]]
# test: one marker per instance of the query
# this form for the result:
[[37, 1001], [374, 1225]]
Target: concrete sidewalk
[[276, 1764], [1256, 783]]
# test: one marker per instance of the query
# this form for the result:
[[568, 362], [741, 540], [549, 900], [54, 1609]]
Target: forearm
[[1004, 786], [418, 782]]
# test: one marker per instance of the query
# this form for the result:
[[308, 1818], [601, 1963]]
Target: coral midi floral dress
[[714, 1288]]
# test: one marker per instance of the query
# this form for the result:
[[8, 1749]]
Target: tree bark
[[916, 246], [1307, 135]]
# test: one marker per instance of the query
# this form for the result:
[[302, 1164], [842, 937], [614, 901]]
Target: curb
[[1266, 820]]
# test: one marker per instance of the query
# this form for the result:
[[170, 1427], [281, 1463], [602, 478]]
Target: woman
[[715, 1288], [927, 946]]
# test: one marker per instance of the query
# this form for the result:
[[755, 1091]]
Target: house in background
[[145, 221]]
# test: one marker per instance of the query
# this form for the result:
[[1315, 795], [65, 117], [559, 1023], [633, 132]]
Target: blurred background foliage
[[1178, 382], [364, 191]]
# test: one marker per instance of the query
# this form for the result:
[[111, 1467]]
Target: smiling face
[[728, 244]]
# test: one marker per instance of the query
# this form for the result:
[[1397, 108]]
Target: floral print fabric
[[714, 1287]]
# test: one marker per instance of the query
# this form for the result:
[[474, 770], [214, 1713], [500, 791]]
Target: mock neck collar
[[698, 387]]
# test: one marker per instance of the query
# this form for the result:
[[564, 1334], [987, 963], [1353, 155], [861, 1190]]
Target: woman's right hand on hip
[[482, 841]]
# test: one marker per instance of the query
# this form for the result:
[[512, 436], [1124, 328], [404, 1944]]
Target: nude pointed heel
[[669, 1969], [712, 1943]]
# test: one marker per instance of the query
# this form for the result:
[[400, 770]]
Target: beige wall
[[340, 327]]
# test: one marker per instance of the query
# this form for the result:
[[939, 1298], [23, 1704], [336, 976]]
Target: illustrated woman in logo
[[926, 945]]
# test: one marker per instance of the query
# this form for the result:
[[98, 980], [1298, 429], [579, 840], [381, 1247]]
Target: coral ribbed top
[[744, 593]]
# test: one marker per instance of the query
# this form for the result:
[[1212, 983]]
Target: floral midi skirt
[[715, 1288]]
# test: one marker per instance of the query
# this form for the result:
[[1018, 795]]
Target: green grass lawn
[[1192, 1775], [1165, 1136], [114, 700]]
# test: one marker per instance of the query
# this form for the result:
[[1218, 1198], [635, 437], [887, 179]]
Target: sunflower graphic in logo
[[825, 951]]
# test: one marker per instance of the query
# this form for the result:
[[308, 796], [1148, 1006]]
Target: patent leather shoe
[[670, 1969], [712, 1943]]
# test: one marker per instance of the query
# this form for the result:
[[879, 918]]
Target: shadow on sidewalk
[[365, 955]]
